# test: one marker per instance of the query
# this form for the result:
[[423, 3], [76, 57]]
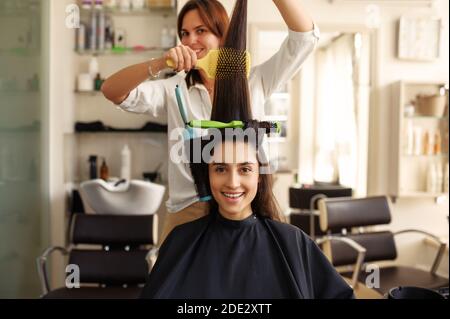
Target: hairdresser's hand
[[183, 57]]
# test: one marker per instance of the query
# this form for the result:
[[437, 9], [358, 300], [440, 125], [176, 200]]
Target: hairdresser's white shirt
[[157, 98]]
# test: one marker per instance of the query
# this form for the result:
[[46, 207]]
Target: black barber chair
[[303, 206], [110, 254], [361, 246]]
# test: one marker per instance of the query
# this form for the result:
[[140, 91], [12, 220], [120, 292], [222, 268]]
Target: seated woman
[[241, 249]]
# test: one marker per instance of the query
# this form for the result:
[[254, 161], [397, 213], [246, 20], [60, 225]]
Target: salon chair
[[113, 254], [361, 246], [303, 206]]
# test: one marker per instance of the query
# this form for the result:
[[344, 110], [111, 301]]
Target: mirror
[[327, 119]]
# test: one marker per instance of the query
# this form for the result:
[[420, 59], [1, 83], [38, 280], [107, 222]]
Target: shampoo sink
[[133, 197]]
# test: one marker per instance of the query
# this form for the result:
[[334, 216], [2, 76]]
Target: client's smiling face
[[233, 178]]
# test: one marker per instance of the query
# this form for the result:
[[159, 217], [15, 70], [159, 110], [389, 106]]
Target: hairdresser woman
[[202, 25]]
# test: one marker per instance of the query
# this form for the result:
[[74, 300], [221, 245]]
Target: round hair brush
[[232, 62]]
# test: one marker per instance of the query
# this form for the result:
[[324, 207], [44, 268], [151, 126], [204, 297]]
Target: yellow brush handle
[[170, 63], [202, 63], [209, 63]]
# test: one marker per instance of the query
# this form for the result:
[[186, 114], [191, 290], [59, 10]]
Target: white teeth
[[233, 195]]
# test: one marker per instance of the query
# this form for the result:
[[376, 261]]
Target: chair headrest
[[354, 212], [300, 198], [114, 229]]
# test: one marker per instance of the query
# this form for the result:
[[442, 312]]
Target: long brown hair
[[215, 18], [232, 102], [231, 94]]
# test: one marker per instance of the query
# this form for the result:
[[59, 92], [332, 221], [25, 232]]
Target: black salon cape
[[257, 258]]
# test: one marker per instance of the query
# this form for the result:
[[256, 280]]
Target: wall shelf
[[163, 11], [89, 93], [409, 172], [122, 51], [422, 117], [425, 156]]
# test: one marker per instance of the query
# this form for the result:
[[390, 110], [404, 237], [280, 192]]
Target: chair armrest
[[359, 249], [441, 250], [312, 226], [42, 266]]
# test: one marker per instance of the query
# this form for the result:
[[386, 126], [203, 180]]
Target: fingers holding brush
[[181, 58]]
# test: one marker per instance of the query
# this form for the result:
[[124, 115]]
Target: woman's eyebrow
[[195, 28], [240, 164], [217, 163]]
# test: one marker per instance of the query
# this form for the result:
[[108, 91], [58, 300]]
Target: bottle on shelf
[[98, 4], [93, 31], [418, 140], [409, 144], [92, 166], [109, 33], [439, 178], [431, 178], [85, 82], [100, 37], [437, 143], [81, 37], [86, 4], [93, 67], [125, 170], [98, 82], [104, 170], [427, 145]]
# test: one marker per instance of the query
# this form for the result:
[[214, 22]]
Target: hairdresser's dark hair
[[214, 17]]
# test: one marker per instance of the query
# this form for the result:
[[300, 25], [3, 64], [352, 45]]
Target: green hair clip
[[205, 124]]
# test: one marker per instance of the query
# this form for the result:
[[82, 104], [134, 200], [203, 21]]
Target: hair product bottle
[[437, 149], [104, 171], [446, 173], [92, 166], [439, 178], [125, 170], [431, 178]]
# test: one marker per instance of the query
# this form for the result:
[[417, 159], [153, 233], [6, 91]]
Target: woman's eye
[[219, 169], [200, 31], [246, 169], [183, 34]]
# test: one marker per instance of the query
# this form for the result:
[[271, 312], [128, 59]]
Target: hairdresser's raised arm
[[117, 87], [295, 16]]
